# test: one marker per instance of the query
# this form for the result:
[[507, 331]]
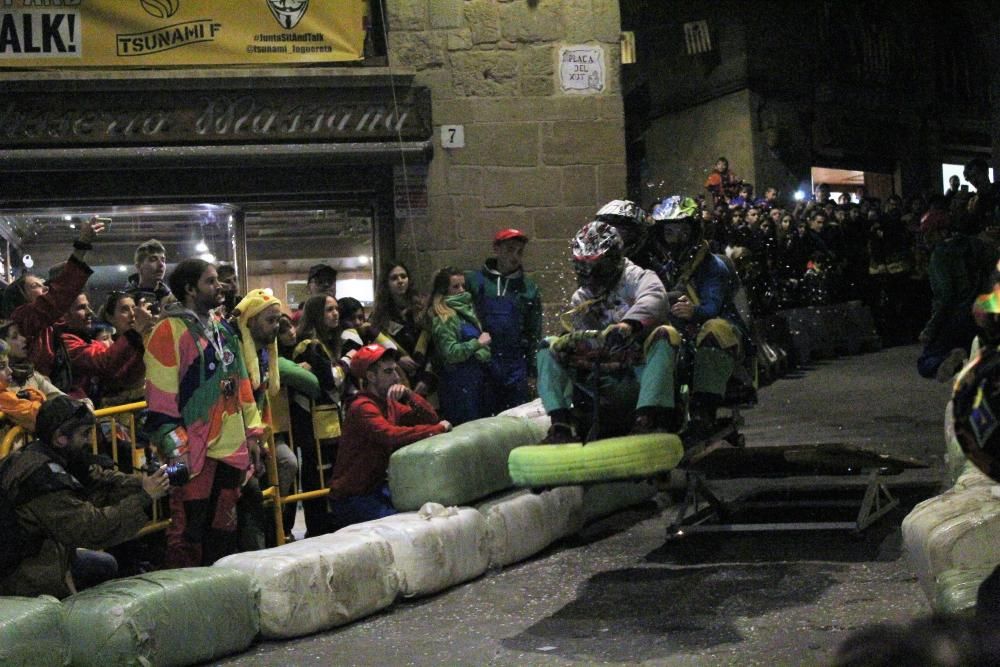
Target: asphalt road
[[621, 593]]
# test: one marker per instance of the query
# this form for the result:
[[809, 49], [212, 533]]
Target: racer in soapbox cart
[[708, 308], [617, 348]]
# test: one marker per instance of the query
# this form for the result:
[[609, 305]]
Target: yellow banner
[[144, 33]]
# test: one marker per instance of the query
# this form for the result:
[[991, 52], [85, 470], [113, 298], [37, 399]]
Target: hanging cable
[[399, 133]]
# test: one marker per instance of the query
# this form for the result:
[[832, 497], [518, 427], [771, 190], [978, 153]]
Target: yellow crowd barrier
[[17, 437]]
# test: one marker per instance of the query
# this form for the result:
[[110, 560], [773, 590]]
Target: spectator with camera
[[202, 413], [66, 505], [35, 307]]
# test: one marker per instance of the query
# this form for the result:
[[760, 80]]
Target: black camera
[[177, 473]]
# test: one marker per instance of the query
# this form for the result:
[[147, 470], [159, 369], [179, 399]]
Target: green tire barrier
[[433, 549], [31, 632], [458, 467], [955, 590], [171, 617], [600, 500], [958, 529], [628, 457], [520, 524], [319, 583]]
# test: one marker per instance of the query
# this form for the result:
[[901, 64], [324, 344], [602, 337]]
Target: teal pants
[[656, 379]]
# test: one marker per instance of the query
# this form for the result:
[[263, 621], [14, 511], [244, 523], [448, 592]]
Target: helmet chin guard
[[598, 256]]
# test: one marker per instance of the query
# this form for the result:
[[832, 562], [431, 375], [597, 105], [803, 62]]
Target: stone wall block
[[554, 108], [579, 21], [460, 40], [441, 232], [439, 81], [406, 15], [527, 22], [418, 51], [499, 144], [612, 180], [573, 142], [483, 19], [482, 225], [511, 186], [490, 74], [446, 14], [579, 186], [454, 111], [560, 223], [537, 86], [538, 61], [606, 21], [465, 181]]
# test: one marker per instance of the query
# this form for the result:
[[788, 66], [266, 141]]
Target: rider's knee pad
[[663, 332], [719, 333]]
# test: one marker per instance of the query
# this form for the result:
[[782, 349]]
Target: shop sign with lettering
[[144, 33], [211, 116]]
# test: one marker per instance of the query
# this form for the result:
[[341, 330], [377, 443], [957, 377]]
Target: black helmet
[[630, 221], [598, 256]]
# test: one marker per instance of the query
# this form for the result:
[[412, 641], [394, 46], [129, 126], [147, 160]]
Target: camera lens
[[178, 474]]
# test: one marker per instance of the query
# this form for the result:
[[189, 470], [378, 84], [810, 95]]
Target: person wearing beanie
[[66, 505], [257, 317], [385, 416]]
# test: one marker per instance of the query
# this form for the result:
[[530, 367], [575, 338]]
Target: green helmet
[[672, 215]]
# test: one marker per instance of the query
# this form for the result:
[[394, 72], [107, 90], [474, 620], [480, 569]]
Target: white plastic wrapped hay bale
[[170, 617], [432, 549], [958, 529], [522, 523], [600, 500], [319, 583], [530, 410], [461, 466], [31, 632], [955, 591]]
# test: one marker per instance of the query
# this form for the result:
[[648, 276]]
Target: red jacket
[[95, 365], [373, 430], [35, 320]]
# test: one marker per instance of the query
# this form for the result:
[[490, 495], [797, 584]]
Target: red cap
[[367, 356], [508, 234]]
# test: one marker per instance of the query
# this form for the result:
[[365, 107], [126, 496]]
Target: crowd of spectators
[[205, 358], [796, 249], [217, 370]]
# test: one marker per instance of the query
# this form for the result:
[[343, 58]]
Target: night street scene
[[499, 332]]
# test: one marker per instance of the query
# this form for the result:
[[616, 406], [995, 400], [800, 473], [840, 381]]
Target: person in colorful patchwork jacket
[[201, 413]]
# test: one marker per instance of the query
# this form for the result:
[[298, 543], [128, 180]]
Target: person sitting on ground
[[386, 415], [461, 347], [19, 406], [509, 305], [146, 284], [36, 309], [627, 305], [700, 290], [67, 505], [400, 313]]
